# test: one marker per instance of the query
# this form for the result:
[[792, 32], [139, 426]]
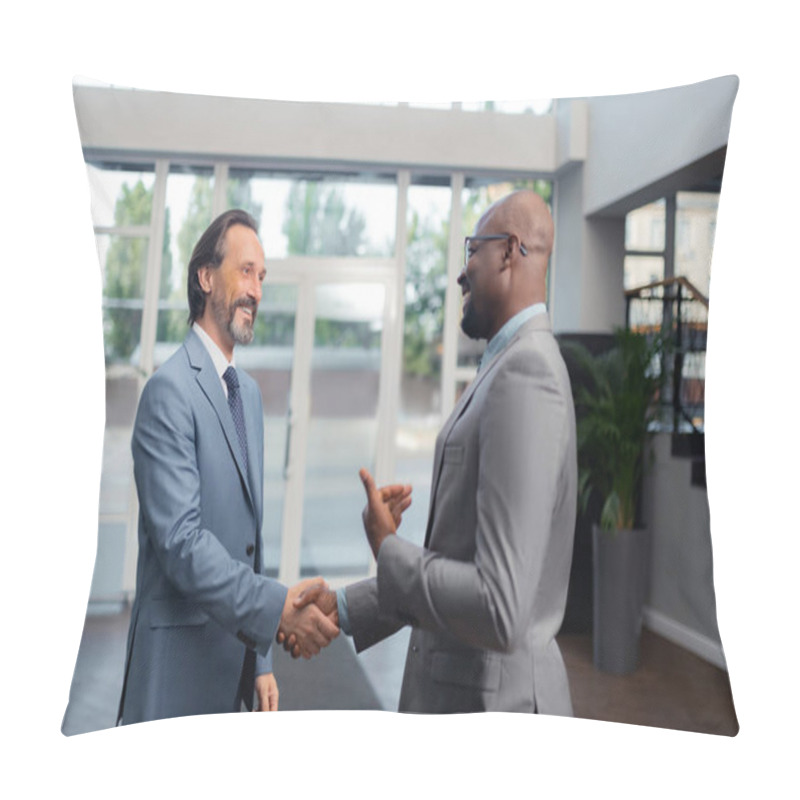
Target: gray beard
[[225, 317], [242, 334]]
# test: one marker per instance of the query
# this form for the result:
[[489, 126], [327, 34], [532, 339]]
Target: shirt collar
[[501, 339], [217, 356]]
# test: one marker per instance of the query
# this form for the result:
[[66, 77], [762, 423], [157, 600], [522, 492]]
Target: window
[[312, 214], [189, 201], [696, 218], [122, 203]]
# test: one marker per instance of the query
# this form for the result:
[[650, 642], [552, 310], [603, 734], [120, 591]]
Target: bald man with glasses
[[485, 595]]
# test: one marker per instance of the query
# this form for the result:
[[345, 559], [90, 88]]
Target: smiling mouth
[[248, 309]]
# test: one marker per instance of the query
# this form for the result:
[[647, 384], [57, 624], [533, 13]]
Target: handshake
[[310, 618]]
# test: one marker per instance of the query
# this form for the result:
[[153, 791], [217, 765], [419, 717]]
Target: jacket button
[[251, 549]]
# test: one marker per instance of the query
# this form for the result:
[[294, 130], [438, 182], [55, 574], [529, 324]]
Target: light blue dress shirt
[[497, 344], [217, 356], [501, 339]]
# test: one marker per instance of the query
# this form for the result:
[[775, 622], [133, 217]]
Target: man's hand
[[384, 510], [325, 599], [267, 692], [311, 628]]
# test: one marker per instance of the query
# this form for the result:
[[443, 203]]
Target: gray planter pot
[[621, 568]]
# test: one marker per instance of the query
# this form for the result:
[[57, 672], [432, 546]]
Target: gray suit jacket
[[199, 603], [486, 595]]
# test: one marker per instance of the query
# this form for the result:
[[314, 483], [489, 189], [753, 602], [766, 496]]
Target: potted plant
[[615, 406]]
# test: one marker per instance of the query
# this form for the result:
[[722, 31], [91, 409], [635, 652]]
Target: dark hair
[[210, 252]]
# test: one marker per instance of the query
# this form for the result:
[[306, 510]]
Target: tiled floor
[[672, 688]]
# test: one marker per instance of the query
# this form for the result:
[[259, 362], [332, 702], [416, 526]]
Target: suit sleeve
[[522, 441], [367, 627], [264, 663], [197, 564]]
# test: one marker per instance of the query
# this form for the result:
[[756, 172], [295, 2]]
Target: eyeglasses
[[470, 248]]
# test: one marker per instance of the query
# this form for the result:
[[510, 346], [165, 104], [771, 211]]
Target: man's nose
[[462, 276], [256, 289]]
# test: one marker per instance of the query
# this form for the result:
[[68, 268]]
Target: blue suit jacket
[[199, 602]]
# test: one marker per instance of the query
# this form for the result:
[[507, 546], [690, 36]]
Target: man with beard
[[485, 595], [203, 617]]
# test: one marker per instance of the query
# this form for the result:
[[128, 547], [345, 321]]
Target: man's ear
[[204, 279]]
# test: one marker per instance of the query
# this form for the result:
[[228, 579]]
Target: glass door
[[322, 375], [342, 426]]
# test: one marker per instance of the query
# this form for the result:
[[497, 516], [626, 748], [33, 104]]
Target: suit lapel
[[251, 408], [539, 322], [210, 383], [441, 439]]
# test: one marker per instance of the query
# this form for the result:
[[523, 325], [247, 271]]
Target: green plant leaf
[[615, 404]]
